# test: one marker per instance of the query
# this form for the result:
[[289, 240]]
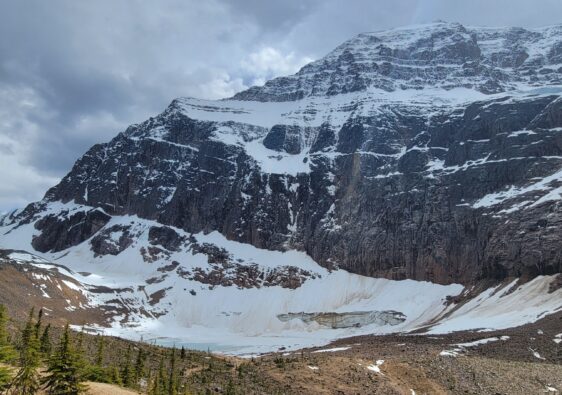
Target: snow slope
[[244, 320]]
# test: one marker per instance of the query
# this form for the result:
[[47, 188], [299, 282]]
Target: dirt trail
[[101, 389], [107, 389]]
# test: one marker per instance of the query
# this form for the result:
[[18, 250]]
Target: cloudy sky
[[74, 73]]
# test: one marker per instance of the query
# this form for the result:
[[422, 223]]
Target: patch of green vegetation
[[67, 359]]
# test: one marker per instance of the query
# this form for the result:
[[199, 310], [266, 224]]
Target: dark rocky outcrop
[[61, 232], [165, 237], [112, 240], [248, 276]]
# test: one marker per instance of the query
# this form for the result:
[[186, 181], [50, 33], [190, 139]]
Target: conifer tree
[[172, 382], [182, 353], [161, 378], [38, 323], [7, 352], [100, 351], [63, 372], [45, 342], [115, 376], [80, 341], [158, 385], [127, 372], [79, 352], [97, 372], [27, 334], [154, 388], [138, 371], [26, 381]]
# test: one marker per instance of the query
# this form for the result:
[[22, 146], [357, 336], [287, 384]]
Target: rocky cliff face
[[430, 153], [444, 55]]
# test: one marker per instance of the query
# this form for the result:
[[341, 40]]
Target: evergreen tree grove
[[127, 372], [161, 378], [154, 387], [138, 371], [98, 372], [100, 351], [7, 352], [26, 381], [115, 377], [172, 381], [63, 372]]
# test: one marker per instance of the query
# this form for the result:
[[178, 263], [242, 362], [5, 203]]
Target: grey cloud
[[274, 15], [6, 149]]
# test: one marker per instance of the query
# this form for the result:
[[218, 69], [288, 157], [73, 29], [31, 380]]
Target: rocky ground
[[528, 362], [24, 286]]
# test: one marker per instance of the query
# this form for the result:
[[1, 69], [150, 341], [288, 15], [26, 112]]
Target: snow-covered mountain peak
[[444, 55]]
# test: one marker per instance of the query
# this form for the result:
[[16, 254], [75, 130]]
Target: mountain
[[431, 154]]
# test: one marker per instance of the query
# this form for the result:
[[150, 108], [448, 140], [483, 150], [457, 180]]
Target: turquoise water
[[212, 347]]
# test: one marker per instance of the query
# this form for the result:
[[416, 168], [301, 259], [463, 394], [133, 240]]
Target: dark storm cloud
[[274, 16], [76, 73]]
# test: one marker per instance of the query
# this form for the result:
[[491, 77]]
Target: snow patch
[[495, 198], [376, 367], [536, 354], [335, 349], [461, 347]]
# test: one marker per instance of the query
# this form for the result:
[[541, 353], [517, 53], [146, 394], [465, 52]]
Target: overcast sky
[[74, 73]]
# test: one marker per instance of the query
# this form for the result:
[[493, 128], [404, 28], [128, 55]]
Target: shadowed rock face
[[57, 235], [112, 240], [399, 201], [434, 190]]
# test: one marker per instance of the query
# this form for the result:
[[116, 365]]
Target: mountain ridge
[[493, 60]]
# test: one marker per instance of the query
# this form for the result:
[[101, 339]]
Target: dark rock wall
[[394, 197]]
